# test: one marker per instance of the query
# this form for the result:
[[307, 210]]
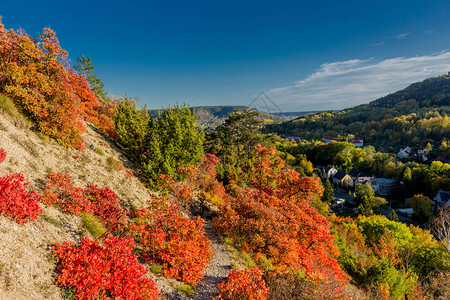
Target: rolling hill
[[414, 116]]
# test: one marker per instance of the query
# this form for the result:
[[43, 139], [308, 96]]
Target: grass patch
[[112, 164], [156, 268], [8, 107], [186, 289], [93, 225], [234, 265], [51, 220], [247, 260], [99, 151], [44, 138], [68, 294]]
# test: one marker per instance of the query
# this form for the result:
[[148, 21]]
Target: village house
[[405, 151], [343, 179], [359, 176], [423, 151], [441, 199], [357, 142], [328, 139], [330, 171]]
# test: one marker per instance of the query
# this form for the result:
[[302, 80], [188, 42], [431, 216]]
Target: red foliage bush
[[16, 201], [60, 191], [102, 202], [2, 155], [177, 242], [243, 284], [273, 219], [108, 271], [106, 205]]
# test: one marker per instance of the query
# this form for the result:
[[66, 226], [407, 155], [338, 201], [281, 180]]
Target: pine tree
[[85, 67], [393, 216], [328, 194]]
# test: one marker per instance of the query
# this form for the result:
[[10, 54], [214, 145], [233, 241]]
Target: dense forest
[[257, 193], [414, 116]]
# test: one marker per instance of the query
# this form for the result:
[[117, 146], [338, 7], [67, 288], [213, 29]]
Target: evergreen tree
[[85, 67], [393, 216], [422, 208], [328, 194], [159, 146], [238, 136], [364, 199]]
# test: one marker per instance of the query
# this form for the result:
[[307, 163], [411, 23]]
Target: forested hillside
[[414, 116]]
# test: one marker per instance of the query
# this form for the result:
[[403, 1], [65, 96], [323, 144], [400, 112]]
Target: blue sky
[[305, 55]]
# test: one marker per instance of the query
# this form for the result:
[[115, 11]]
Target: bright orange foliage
[[273, 217], [177, 242], [243, 285], [35, 75]]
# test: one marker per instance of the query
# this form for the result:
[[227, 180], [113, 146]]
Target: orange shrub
[[177, 242], [243, 285]]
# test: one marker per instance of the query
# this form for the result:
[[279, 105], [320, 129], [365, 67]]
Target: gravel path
[[215, 273], [218, 267]]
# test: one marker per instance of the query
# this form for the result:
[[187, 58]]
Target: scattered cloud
[[377, 44], [403, 36], [429, 31], [343, 84]]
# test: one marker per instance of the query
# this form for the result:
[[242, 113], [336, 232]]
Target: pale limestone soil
[[27, 270]]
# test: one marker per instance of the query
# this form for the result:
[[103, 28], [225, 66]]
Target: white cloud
[[377, 44], [344, 84], [403, 36]]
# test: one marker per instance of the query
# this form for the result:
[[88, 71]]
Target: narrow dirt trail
[[218, 267], [217, 271]]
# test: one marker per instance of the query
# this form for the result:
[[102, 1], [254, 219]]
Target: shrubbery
[[243, 285], [108, 271], [34, 74], [101, 202], [176, 242], [15, 200]]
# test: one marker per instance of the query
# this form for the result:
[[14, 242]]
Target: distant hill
[[413, 116], [295, 114], [212, 116]]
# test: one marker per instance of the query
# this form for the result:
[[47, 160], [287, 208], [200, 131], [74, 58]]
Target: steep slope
[[26, 265]]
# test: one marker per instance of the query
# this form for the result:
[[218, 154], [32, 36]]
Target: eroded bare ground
[[26, 264]]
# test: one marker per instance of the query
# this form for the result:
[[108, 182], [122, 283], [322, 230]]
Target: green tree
[[159, 146], [85, 67], [393, 216], [328, 194], [180, 138], [238, 136], [422, 208], [364, 199], [132, 126]]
